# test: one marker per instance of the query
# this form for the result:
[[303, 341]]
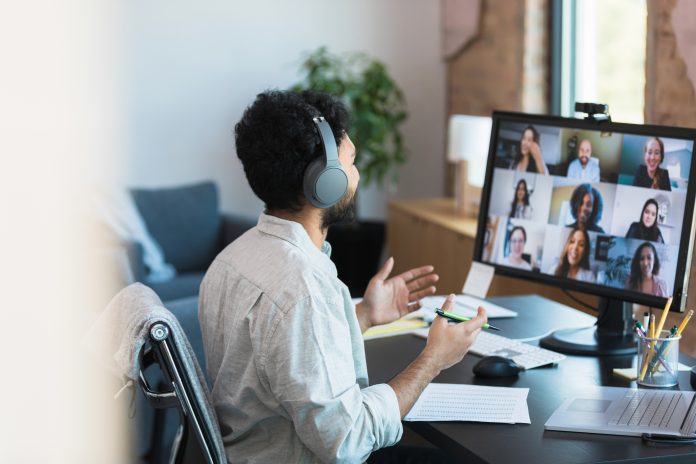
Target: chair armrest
[[234, 225]]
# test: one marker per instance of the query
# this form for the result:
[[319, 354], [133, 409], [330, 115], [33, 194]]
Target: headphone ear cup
[[324, 186], [309, 180]]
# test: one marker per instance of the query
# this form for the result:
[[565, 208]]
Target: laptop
[[627, 411]]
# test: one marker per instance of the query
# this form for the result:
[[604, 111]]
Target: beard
[[341, 213]]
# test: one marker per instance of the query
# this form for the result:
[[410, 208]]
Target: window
[[599, 56]]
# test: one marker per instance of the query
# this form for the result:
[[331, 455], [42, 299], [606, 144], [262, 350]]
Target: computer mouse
[[496, 366]]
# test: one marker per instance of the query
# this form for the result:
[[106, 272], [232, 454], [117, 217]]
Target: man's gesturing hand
[[388, 298]]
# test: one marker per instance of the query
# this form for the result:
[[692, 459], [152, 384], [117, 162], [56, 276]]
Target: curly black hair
[[576, 200], [276, 140]]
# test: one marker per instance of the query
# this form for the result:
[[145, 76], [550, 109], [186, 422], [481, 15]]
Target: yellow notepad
[[397, 327], [630, 373]]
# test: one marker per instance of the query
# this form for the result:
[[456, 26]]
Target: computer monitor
[[593, 206]]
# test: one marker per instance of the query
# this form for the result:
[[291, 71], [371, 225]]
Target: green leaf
[[377, 105]]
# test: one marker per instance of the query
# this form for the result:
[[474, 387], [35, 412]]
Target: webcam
[[597, 112]]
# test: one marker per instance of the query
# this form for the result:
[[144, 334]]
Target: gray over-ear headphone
[[325, 182]]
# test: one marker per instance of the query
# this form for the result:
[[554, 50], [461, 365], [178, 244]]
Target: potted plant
[[376, 103], [378, 108]]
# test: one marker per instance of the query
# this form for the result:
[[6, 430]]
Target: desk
[[519, 443]]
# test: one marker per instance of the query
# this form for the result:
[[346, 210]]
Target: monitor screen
[[601, 207]]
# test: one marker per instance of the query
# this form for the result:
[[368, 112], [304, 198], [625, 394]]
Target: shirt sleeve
[[311, 370], [571, 170], [596, 176]]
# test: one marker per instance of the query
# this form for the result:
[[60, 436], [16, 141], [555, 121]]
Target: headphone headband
[[325, 182], [327, 138]]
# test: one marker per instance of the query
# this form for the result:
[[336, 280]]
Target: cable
[[578, 301], [667, 439]]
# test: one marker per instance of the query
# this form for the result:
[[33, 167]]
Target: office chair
[[198, 439]]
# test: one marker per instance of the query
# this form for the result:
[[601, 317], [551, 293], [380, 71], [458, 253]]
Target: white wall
[[194, 66]]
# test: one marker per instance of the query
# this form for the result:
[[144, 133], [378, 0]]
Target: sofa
[[187, 225]]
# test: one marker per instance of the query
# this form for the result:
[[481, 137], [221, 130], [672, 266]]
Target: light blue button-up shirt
[[285, 354], [589, 173]]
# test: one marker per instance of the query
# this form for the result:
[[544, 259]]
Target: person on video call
[[516, 243], [528, 157], [584, 167], [574, 262], [520, 207], [586, 207], [645, 266], [282, 337], [646, 228], [650, 174]]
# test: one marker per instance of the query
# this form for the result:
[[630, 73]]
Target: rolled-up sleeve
[[310, 369]]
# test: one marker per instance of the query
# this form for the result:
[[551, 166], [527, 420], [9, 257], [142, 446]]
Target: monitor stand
[[612, 336]]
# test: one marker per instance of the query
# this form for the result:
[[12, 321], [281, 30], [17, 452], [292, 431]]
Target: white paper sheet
[[466, 305], [471, 403], [478, 280]]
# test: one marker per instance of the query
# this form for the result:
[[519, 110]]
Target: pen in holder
[[658, 359]]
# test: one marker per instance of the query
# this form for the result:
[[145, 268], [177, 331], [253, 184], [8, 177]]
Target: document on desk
[[471, 403], [466, 305]]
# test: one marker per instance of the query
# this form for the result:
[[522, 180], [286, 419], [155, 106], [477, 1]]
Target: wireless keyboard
[[524, 354]]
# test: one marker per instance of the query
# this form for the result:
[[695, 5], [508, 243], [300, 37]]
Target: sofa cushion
[[185, 221], [183, 285]]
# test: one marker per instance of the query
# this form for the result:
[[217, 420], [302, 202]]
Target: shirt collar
[[293, 232]]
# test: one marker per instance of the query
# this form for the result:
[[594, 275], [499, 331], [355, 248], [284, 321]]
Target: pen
[[457, 318], [681, 327], [660, 351], [650, 349], [658, 330], [641, 333]]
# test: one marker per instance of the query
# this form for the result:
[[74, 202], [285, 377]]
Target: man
[[586, 205], [585, 167], [283, 339]]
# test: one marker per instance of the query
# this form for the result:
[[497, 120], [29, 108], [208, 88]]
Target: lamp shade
[[468, 139]]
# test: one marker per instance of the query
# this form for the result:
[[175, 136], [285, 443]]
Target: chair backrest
[[198, 439]]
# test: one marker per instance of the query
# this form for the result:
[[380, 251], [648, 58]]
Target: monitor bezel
[[687, 236]]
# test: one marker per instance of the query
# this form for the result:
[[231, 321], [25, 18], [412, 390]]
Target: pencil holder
[[658, 360]]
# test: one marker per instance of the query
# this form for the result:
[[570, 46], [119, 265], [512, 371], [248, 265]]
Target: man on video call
[[283, 339], [584, 167]]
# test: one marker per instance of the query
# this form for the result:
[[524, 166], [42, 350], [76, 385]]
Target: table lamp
[[468, 141]]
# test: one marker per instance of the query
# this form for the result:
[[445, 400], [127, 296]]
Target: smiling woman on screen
[[528, 157], [646, 228], [516, 242], [645, 266], [650, 174], [574, 262]]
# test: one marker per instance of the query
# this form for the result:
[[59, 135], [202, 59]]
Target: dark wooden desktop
[[548, 386]]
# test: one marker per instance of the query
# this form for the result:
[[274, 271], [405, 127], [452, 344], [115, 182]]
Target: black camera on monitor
[[594, 111]]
